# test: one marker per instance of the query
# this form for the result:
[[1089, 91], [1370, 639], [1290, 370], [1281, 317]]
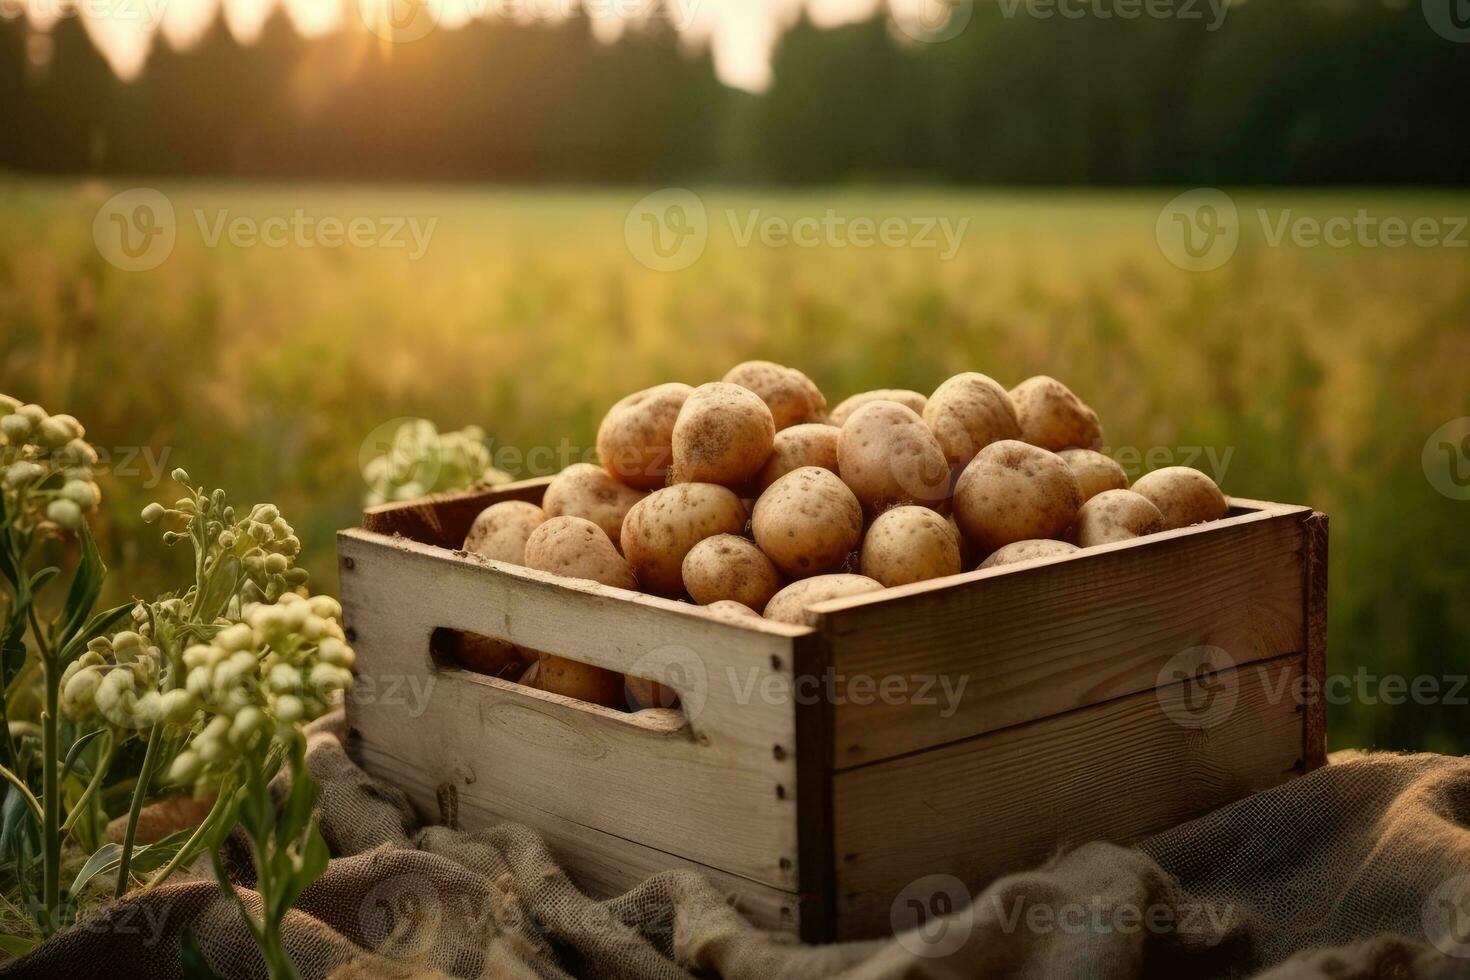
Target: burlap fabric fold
[[1359, 870]]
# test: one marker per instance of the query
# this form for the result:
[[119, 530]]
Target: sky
[[741, 33]]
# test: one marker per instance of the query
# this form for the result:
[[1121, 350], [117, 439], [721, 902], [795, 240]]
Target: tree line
[[1284, 91]]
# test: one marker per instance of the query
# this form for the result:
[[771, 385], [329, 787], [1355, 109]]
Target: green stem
[[103, 759], [51, 795], [25, 790], [190, 848], [139, 792]]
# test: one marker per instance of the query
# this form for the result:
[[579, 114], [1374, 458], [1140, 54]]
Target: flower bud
[[22, 472], [234, 638], [247, 723], [276, 564], [65, 512], [186, 767], [16, 427], [289, 708], [180, 475], [153, 512], [177, 707], [265, 513], [54, 432], [325, 606], [80, 494]]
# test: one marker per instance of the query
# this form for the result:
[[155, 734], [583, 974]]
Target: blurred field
[[1313, 375]]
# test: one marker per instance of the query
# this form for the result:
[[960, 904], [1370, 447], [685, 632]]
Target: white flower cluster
[[258, 679], [45, 467], [116, 680], [423, 460], [264, 542]]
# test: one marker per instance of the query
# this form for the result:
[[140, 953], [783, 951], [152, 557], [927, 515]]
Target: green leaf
[[17, 824], [149, 857], [75, 752], [192, 962], [17, 945], [43, 578], [86, 585], [96, 626], [222, 588]]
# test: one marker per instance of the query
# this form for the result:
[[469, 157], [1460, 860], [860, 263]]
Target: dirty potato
[[729, 567], [1094, 471], [808, 522], [790, 605], [1012, 491], [577, 548], [501, 530], [887, 456], [661, 528], [730, 611], [1052, 417], [911, 400], [573, 679], [792, 397], [1183, 495], [590, 492], [481, 654], [723, 435], [1116, 515], [809, 444], [635, 439], [909, 544], [969, 412], [1019, 551]]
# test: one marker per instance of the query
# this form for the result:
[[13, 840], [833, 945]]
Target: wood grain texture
[[714, 792], [1314, 731], [443, 519], [1008, 800], [1051, 635]]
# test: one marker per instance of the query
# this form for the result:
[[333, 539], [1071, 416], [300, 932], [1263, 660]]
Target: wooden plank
[[1314, 733], [600, 864], [707, 791], [1008, 800], [444, 519], [994, 648], [813, 749]]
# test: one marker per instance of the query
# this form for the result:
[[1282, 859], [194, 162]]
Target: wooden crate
[[1091, 709]]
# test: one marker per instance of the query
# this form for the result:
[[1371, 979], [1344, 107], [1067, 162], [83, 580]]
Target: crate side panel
[[1117, 771], [1013, 647]]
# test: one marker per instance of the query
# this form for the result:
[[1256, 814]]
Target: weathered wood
[[1050, 635], [444, 519], [1314, 731], [1006, 801], [708, 792]]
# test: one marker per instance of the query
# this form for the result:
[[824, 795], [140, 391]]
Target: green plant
[[420, 459]]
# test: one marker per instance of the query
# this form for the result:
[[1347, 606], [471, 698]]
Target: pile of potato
[[748, 496]]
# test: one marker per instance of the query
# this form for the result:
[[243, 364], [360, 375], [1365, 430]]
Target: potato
[[790, 604], [1019, 551], [644, 694], [481, 654], [887, 456], [1011, 492], [807, 522], [730, 611], [573, 679], [1052, 417], [1094, 471], [590, 492], [969, 554], [635, 439], [1183, 495], [1116, 515], [729, 567], [577, 548], [909, 544], [662, 527], [501, 530], [723, 435], [911, 400], [809, 444], [969, 412], [791, 396]]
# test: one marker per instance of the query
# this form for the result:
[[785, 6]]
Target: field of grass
[[1300, 374]]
